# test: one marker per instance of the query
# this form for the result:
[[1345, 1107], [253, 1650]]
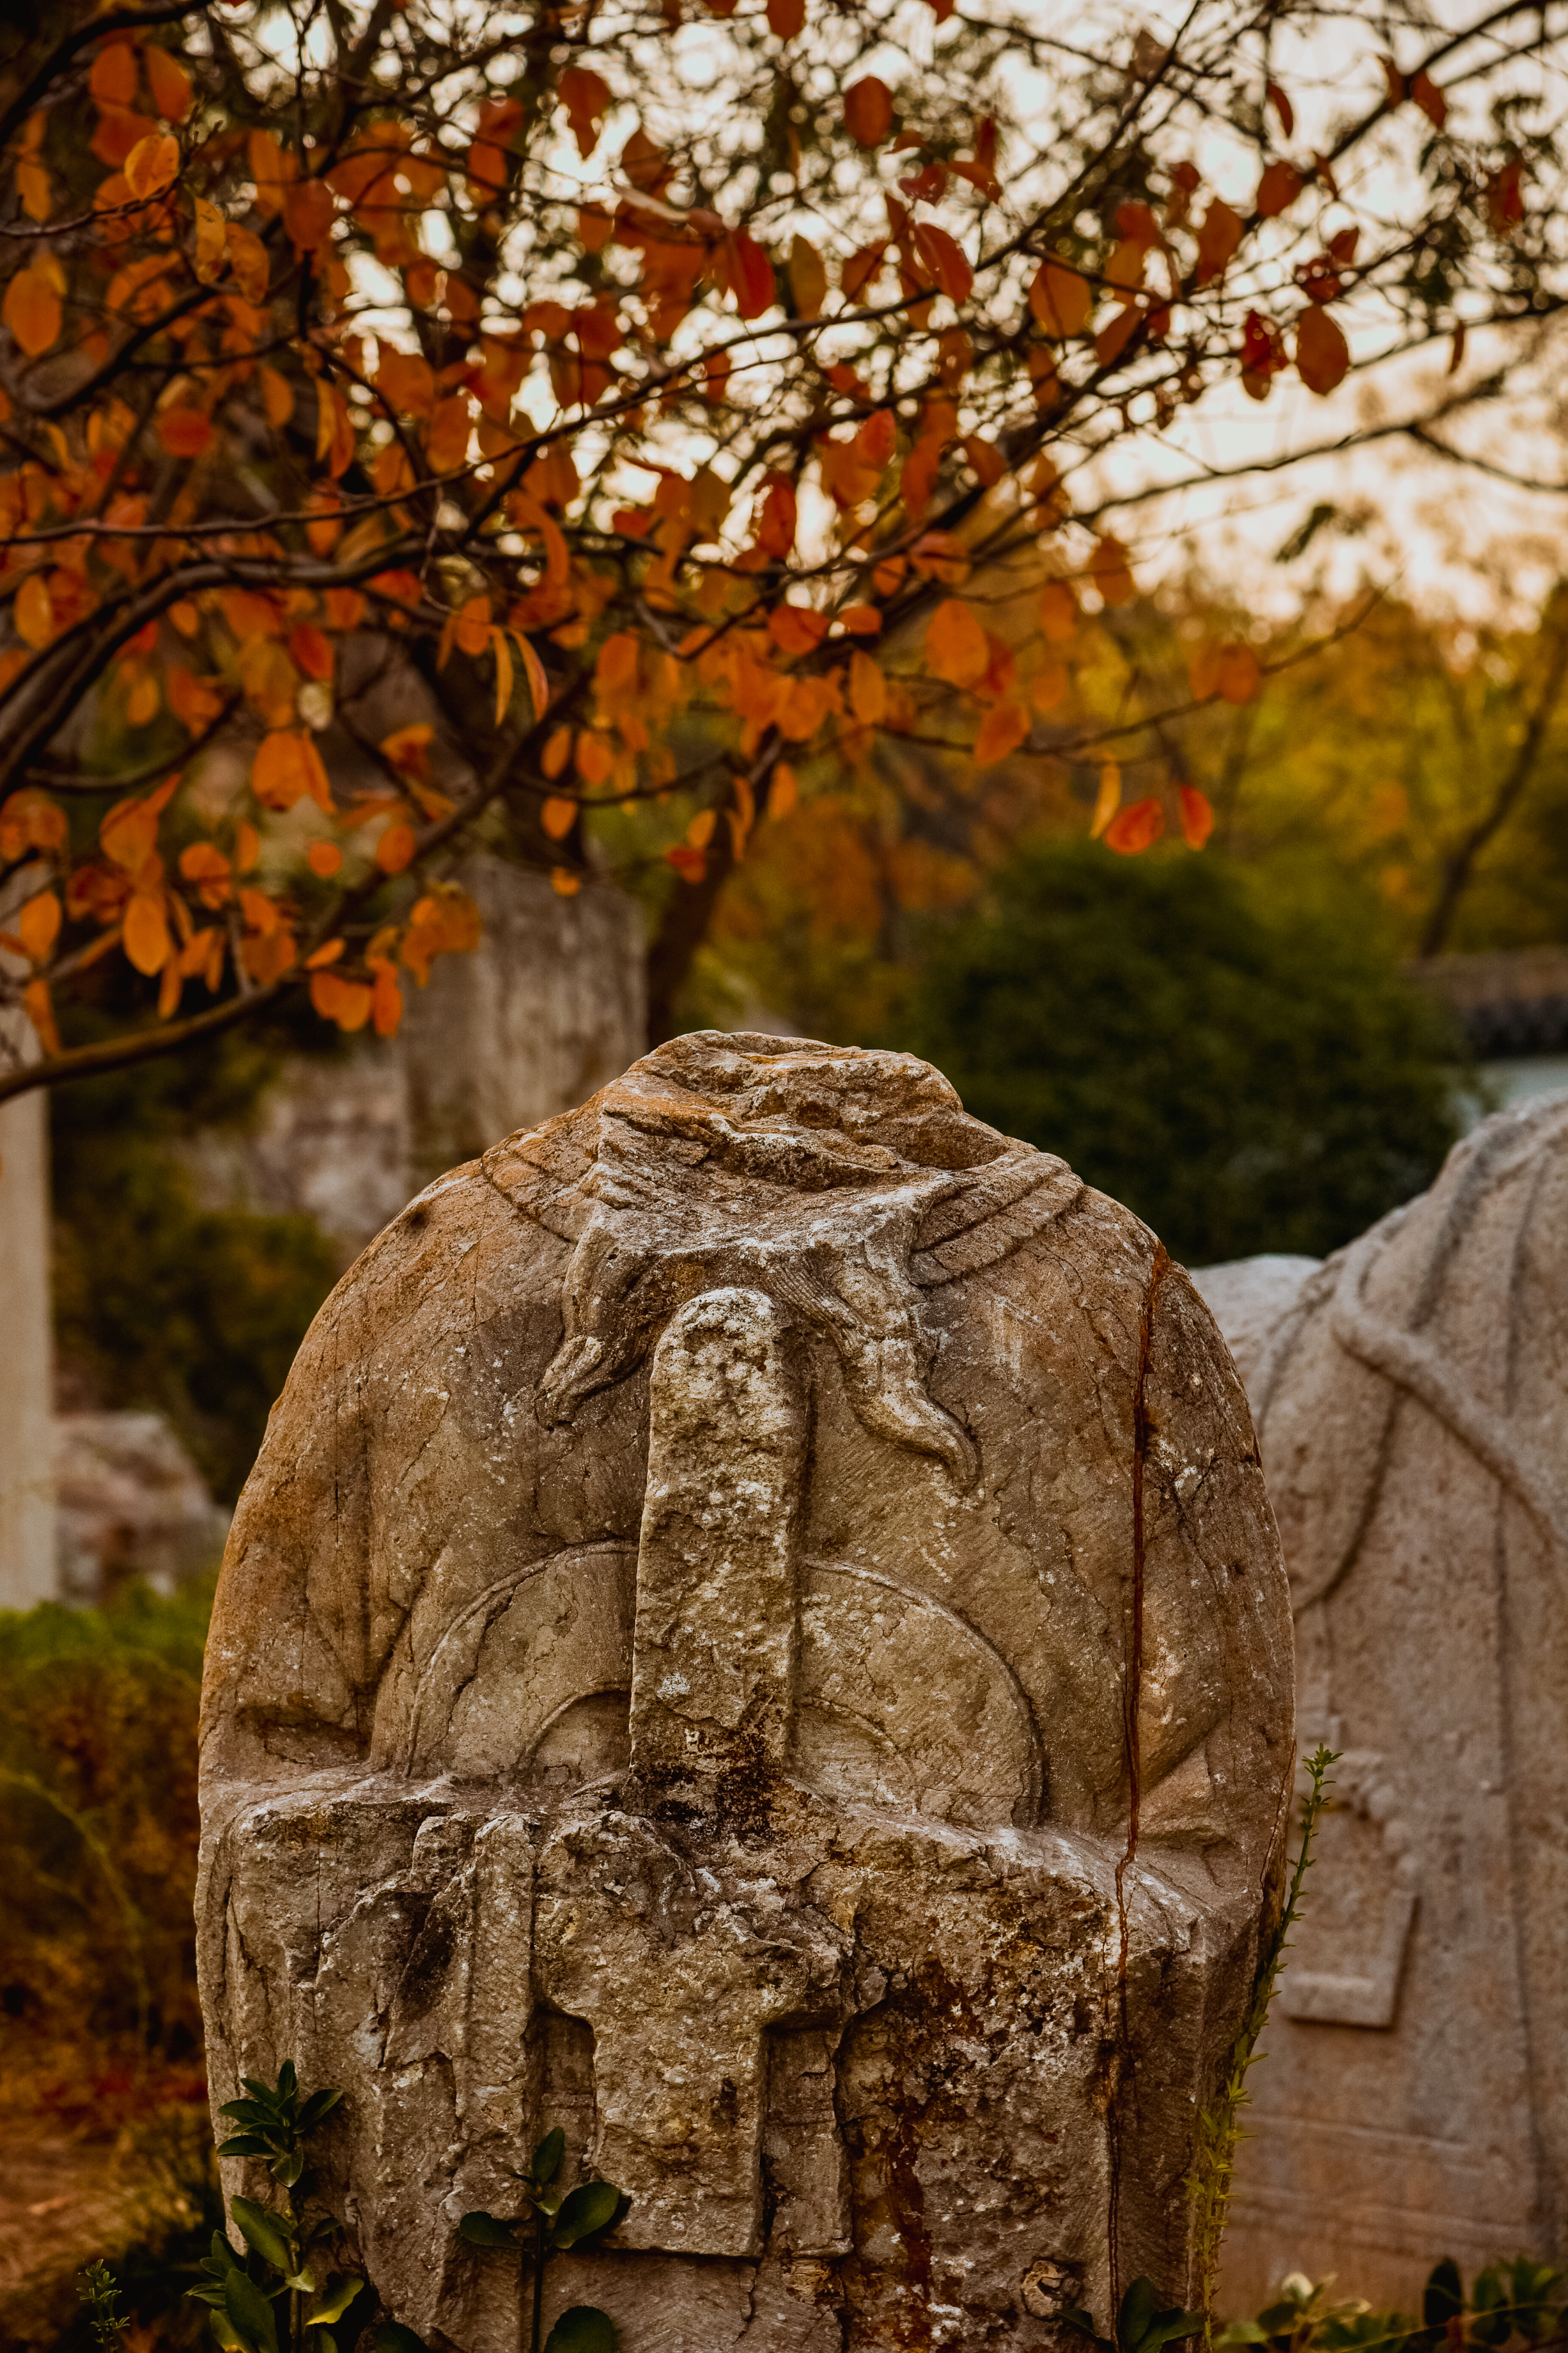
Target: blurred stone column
[[28, 1572], [550, 1006]]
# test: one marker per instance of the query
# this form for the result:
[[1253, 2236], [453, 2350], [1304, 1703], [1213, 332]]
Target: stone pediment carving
[[731, 1575]]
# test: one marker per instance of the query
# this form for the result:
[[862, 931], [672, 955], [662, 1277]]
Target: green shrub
[[98, 1844], [1245, 1075]]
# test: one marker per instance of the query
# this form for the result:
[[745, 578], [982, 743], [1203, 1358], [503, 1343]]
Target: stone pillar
[[28, 1570], [550, 1006]]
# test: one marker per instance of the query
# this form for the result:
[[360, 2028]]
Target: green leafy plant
[[560, 2219], [281, 2298], [100, 2292], [1143, 2324], [1521, 2302], [1219, 2128]]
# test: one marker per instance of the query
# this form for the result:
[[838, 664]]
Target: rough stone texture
[[552, 1004], [756, 1635], [132, 1504], [1411, 1403], [331, 1141]]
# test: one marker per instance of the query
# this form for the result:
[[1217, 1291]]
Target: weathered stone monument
[[1412, 1405], [755, 1636]]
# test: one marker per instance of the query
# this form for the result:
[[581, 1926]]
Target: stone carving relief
[[1348, 1955], [1411, 1395], [756, 1636]]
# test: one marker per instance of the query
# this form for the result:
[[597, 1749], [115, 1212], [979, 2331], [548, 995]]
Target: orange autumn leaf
[[38, 925], [395, 849], [41, 1014], [308, 214], [146, 934], [471, 629], [32, 310], [956, 644], [878, 437], [185, 432], [1049, 684], [1060, 299], [1135, 828], [144, 695], [386, 1002], [796, 628], [277, 396], [867, 690], [1217, 240], [204, 865], [195, 702], [112, 78], [310, 650], [558, 817], [346, 1002], [324, 858], [1059, 612], [988, 460], [153, 165], [1109, 570], [34, 189], [1002, 731], [808, 279], [168, 82], [34, 611], [1197, 816], [1323, 354], [129, 834], [248, 258], [868, 111], [595, 757], [286, 768], [31, 821]]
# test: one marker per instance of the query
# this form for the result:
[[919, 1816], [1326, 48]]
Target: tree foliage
[[421, 421], [98, 1839], [1245, 1074]]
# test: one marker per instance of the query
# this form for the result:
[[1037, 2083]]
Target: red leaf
[[868, 111], [1278, 189], [946, 260], [1135, 828], [750, 274], [1198, 817], [1323, 354]]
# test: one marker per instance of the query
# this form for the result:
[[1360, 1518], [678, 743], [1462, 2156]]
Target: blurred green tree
[[1245, 1074]]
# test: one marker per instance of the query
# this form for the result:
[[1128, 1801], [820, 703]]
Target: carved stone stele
[[1411, 1399], [755, 1635]]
